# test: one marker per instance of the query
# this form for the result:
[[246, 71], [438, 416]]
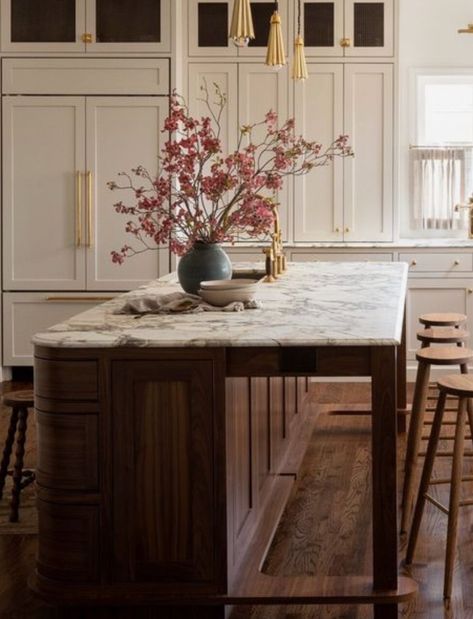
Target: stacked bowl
[[221, 292]]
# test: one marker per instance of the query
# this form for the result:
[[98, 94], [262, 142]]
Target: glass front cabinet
[[85, 25], [209, 25], [348, 28]]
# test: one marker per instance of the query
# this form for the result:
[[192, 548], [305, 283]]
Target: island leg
[[384, 450], [402, 380]]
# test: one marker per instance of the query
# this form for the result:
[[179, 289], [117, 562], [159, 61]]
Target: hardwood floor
[[331, 493]]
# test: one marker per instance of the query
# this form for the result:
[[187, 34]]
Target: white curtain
[[441, 178]]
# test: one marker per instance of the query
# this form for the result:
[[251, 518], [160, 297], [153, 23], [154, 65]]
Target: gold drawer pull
[[413, 263], [78, 209], [456, 263], [76, 299], [90, 239], [347, 229], [470, 290]]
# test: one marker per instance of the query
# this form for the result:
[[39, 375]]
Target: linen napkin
[[178, 303]]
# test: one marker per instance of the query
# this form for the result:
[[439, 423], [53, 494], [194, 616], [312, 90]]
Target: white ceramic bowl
[[228, 284], [224, 297]]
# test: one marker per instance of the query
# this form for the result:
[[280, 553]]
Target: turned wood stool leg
[[18, 468], [426, 476], [8, 449], [455, 496], [414, 439]]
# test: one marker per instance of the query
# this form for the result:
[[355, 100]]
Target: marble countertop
[[312, 304], [437, 243]]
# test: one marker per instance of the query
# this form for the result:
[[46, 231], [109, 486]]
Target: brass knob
[[345, 42], [414, 263], [347, 229], [470, 290], [337, 229], [456, 263], [86, 37]]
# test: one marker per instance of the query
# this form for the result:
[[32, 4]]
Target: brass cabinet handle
[[86, 37], [337, 229], [347, 229], [78, 209], [76, 299], [345, 42], [90, 240], [456, 263], [470, 290], [414, 263]]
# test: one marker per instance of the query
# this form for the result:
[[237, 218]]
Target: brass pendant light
[[275, 56], [299, 66], [241, 29]]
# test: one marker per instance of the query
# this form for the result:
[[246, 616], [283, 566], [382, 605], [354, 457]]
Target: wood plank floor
[[325, 529]]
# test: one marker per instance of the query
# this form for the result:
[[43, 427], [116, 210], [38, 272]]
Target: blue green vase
[[205, 261]]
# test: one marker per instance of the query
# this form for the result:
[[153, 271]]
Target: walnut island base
[[165, 460]]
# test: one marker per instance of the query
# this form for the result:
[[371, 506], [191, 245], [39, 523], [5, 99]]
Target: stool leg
[[18, 468], [464, 370], [414, 440], [426, 475], [8, 449], [455, 497]]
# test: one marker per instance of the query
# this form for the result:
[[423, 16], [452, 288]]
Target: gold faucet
[[276, 262], [469, 206]]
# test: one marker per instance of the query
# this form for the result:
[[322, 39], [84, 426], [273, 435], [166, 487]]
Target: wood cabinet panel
[[164, 437], [261, 413], [68, 453], [66, 380], [277, 422], [69, 547], [290, 403]]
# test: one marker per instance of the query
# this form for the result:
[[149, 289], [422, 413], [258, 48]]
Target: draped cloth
[[441, 178]]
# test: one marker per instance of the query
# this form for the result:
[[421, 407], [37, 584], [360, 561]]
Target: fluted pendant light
[[275, 56], [241, 30], [299, 66]]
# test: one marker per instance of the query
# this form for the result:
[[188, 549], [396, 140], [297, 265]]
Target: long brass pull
[[81, 299], [90, 240], [78, 209]]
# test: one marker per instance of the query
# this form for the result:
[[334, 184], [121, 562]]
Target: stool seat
[[444, 355], [19, 398], [460, 385], [442, 335], [442, 319]]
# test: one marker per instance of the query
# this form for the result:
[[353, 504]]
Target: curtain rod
[[441, 146]]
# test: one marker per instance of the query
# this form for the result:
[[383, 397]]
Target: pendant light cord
[[298, 16]]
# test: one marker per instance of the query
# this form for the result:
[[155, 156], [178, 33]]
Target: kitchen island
[[166, 442]]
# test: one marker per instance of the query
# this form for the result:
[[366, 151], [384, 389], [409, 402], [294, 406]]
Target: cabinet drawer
[[341, 257], [25, 314], [68, 458], [85, 76], [445, 263]]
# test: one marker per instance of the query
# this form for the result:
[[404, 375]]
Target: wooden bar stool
[[443, 319], [19, 402], [426, 357], [462, 387], [442, 335]]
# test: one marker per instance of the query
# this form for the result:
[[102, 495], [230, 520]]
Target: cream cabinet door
[[260, 90], [436, 295], [43, 156], [322, 26], [122, 133], [368, 177], [318, 196], [369, 28], [46, 26], [132, 26]]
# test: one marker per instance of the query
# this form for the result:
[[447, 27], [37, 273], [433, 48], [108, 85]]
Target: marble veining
[[313, 303]]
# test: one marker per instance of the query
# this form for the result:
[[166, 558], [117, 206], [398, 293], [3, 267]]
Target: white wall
[[428, 39]]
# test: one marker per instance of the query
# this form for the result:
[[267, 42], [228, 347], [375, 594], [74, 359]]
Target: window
[[441, 161]]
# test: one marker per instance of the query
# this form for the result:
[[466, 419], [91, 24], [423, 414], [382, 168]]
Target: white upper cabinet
[[368, 176], [348, 27], [44, 155], [125, 26], [209, 26], [318, 196], [122, 133]]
